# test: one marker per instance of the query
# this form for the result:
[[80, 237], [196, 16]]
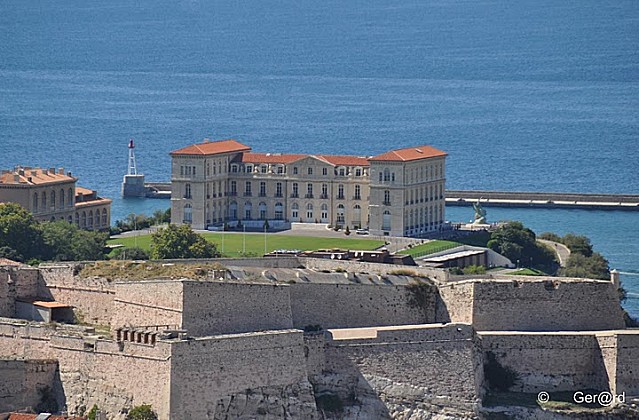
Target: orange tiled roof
[[34, 176], [83, 191], [95, 202], [409, 154], [251, 157], [345, 160], [6, 261], [212, 148]]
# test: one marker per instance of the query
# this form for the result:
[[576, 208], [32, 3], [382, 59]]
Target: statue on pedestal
[[480, 213]]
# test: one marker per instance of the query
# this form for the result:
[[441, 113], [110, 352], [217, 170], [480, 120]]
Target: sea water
[[532, 95]]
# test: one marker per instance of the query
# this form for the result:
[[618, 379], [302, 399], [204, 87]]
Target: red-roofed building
[[396, 193], [51, 194]]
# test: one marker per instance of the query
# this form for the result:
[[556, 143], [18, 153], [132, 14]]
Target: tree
[[19, 236], [593, 267], [577, 244], [518, 243], [142, 412], [129, 253], [180, 242], [66, 242]]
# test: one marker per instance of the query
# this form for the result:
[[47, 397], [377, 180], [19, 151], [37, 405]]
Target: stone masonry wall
[[22, 381], [549, 304], [359, 305], [456, 303], [412, 373], [227, 307], [147, 303], [548, 362], [627, 369], [91, 297], [206, 370], [94, 371], [372, 268], [16, 283]]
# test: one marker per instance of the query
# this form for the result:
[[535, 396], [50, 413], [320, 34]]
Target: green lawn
[[430, 248], [234, 243], [528, 272]]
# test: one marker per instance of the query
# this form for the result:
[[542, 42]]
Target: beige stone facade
[[399, 193], [51, 195]]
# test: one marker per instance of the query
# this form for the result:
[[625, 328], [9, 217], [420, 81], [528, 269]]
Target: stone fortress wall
[[247, 358]]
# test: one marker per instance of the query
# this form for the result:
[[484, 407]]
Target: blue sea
[[532, 95]]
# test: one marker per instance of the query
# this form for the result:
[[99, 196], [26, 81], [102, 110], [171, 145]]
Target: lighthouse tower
[[133, 183]]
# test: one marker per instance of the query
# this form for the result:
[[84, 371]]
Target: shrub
[[93, 413], [142, 412], [347, 231]]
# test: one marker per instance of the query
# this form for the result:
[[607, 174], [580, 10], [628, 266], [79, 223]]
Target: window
[[35, 202], [342, 171], [324, 190], [386, 175], [340, 214], [233, 188], [233, 210], [309, 190], [188, 213], [247, 188], [357, 215], [77, 219], [249, 169], [97, 218], [90, 218], [104, 217], [61, 199], [83, 222], [262, 189], [294, 170], [263, 169], [386, 220], [295, 211], [44, 200], [247, 210], [310, 171], [324, 214], [358, 171], [182, 170], [52, 200], [380, 176], [295, 190], [234, 168], [70, 197], [279, 211], [324, 171], [309, 212], [280, 169], [187, 191], [357, 192], [278, 189], [262, 210], [387, 197], [340, 191]]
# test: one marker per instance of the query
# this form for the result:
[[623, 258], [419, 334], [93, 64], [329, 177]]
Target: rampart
[[361, 305], [534, 304], [24, 383], [146, 303]]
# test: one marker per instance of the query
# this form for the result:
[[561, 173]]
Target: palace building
[[52, 195], [397, 193]]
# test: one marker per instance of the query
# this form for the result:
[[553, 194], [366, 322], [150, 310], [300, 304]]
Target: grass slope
[[430, 248], [234, 243]]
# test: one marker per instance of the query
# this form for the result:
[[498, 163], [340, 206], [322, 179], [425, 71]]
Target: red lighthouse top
[[131, 146]]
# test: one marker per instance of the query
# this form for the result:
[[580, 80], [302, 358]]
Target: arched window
[[44, 201], [279, 211], [262, 210], [248, 207], [324, 214], [386, 220], [295, 212], [83, 222], [35, 202], [233, 210], [309, 212], [61, 199], [357, 215], [70, 219], [90, 219], [70, 197], [340, 214], [77, 219], [187, 191], [53, 200], [97, 218], [188, 213]]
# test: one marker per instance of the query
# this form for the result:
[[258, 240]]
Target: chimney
[[60, 171], [52, 171], [30, 179], [34, 173], [69, 174], [16, 178], [21, 172]]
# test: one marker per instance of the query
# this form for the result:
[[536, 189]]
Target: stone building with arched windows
[[398, 193], [52, 195]]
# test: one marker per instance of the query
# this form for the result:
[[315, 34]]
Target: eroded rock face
[[282, 402]]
